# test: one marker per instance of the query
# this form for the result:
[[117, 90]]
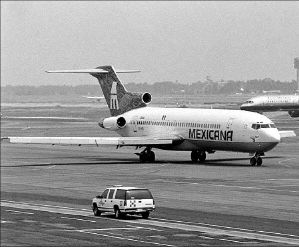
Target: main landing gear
[[198, 155], [256, 160], [147, 155]]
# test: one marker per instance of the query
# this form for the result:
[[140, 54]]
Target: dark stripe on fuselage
[[287, 107]]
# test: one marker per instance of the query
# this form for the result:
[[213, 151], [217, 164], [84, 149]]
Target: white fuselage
[[206, 129], [272, 103]]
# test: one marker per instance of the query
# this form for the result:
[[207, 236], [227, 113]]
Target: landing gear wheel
[[253, 161], [145, 215], [142, 158], [259, 161], [96, 211], [151, 156], [194, 156], [147, 156], [202, 156]]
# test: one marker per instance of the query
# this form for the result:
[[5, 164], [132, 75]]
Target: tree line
[[160, 88]]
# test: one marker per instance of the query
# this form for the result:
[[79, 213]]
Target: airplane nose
[[274, 136]]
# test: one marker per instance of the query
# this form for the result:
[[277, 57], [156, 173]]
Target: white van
[[124, 200]]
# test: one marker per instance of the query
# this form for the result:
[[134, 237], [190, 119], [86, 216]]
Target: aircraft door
[[229, 123], [134, 125]]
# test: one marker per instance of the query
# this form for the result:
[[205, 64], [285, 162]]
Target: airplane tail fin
[[118, 99]]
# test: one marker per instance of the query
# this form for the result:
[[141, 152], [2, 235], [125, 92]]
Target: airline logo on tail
[[113, 97]]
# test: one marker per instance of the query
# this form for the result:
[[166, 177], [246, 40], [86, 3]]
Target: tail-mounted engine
[[146, 98], [113, 123]]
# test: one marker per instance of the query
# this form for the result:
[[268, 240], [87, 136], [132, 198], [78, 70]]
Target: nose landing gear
[[198, 155], [256, 160]]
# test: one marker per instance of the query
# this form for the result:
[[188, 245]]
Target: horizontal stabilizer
[[117, 141], [90, 71], [287, 133]]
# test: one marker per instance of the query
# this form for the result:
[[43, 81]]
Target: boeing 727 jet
[[289, 103], [199, 131]]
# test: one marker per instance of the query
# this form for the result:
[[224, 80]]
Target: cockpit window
[[263, 126], [256, 126], [249, 102]]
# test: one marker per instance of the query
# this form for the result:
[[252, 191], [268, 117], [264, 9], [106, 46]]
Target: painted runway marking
[[18, 212], [163, 223], [252, 187], [78, 219], [225, 227], [229, 240], [232, 186], [128, 239]]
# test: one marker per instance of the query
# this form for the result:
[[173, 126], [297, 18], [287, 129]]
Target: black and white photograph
[[149, 123]]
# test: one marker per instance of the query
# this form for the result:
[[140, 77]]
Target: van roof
[[126, 188]]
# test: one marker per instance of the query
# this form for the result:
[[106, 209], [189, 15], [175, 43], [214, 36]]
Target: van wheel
[[96, 210], [117, 213], [145, 215]]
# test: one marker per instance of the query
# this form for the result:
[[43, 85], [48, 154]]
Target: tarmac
[[46, 192]]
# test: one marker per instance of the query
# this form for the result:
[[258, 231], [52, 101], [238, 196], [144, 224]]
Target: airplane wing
[[286, 133], [116, 141]]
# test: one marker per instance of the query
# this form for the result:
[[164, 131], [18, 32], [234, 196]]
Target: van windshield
[[138, 194]]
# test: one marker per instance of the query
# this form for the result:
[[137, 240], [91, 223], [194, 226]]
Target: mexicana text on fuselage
[[210, 134]]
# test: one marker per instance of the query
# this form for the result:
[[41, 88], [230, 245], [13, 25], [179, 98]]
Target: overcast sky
[[183, 41]]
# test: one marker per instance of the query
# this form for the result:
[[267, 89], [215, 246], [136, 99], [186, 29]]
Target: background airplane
[[99, 99], [289, 103], [200, 131]]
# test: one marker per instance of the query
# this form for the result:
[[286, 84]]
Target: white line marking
[[51, 167], [252, 187], [78, 219], [18, 212], [192, 226], [204, 237], [225, 227], [128, 239], [283, 161], [235, 241]]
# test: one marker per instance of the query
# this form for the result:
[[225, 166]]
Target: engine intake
[[121, 122], [146, 98]]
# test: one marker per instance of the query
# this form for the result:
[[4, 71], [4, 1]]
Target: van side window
[[104, 194], [111, 194], [120, 194]]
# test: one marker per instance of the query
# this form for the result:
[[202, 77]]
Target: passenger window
[[104, 194], [110, 196], [120, 194]]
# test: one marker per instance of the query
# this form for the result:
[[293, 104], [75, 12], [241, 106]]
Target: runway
[[46, 193]]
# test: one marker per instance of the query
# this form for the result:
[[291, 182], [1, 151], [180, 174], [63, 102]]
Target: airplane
[[268, 103], [200, 131], [97, 98], [271, 91]]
